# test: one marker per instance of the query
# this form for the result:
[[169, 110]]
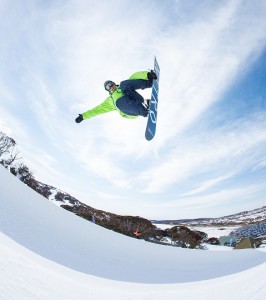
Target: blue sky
[[208, 158]]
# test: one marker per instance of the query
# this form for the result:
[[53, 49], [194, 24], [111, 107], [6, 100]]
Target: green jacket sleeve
[[140, 75], [106, 106]]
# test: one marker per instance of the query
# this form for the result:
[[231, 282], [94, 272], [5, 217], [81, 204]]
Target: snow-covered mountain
[[243, 218]]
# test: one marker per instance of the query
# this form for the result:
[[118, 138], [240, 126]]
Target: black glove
[[79, 118], [152, 75]]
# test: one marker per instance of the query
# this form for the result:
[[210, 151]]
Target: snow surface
[[47, 252]]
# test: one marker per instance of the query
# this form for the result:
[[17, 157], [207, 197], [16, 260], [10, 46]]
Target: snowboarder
[[124, 97]]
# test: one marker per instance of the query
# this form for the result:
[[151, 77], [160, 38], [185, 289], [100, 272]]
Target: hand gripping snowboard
[[152, 118]]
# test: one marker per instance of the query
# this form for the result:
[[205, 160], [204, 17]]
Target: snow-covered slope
[[48, 252]]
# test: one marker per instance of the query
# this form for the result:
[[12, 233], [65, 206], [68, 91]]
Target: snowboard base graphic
[[152, 118]]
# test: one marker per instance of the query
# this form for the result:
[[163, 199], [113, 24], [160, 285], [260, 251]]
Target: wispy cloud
[[218, 151], [207, 56], [206, 185], [223, 202], [56, 57]]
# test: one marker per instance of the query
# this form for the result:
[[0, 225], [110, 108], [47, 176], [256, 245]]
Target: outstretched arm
[[102, 108]]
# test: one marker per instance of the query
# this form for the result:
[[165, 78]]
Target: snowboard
[[152, 117]]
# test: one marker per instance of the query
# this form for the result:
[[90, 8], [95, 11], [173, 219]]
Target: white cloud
[[223, 202], [206, 185], [206, 58], [218, 151], [58, 56]]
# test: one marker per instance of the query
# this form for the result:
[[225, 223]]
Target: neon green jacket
[[109, 104]]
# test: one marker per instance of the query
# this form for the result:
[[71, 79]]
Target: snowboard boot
[[152, 75]]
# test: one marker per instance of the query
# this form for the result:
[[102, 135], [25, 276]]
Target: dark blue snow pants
[[131, 102]]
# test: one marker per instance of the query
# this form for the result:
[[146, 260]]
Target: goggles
[[109, 85]]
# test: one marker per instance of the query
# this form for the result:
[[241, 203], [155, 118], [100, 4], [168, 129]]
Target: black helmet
[[108, 84]]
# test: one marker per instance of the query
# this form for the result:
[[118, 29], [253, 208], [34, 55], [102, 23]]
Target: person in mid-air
[[124, 98]]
